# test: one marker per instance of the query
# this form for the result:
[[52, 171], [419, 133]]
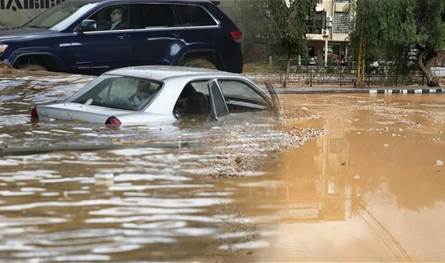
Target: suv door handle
[[175, 34], [122, 37]]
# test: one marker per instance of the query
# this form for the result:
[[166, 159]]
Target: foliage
[[286, 29], [248, 16], [271, 27], [392, 28]]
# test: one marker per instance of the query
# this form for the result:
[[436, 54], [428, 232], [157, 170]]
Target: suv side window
[[192, 15], [153, 15], [116, 17]]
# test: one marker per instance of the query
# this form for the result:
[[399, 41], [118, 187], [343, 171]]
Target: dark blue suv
[[94, 36]]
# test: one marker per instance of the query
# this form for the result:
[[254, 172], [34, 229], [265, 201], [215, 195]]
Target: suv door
[[200, 30], [107, 47], [157, 36]]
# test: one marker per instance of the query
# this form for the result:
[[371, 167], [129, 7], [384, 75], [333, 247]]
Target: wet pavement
[[237, 190]]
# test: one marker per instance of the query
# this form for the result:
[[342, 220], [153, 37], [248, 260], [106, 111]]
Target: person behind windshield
[[116, 19], [143, 92]]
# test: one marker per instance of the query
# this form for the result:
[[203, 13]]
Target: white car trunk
[[75, 111]]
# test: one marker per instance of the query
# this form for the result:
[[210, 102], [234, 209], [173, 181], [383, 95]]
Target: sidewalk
[[374, 90]]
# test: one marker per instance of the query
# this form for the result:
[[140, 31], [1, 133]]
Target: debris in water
[[104, 176]]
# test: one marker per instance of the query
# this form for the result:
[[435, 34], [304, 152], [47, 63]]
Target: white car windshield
[[119, 92]]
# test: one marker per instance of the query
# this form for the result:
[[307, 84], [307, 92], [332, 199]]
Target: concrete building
[[16, 12], [329, 27], [329, 31]]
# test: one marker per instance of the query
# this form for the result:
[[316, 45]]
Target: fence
[[340, 74]]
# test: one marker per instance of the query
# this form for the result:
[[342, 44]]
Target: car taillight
[[34, 113], [237, 36], [113, 122]]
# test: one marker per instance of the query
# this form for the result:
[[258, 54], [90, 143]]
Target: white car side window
[[240, 95], [194, 99]]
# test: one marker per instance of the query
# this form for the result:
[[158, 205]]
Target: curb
[[387, 91], [406, 91]]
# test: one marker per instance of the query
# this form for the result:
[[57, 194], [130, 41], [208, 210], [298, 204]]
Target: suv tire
[[32, 67], [198, 62]]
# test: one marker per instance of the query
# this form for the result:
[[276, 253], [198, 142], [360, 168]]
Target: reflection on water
[[372, 189], [115, 204]]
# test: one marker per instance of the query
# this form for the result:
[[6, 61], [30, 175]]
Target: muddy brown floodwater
[[74, 191], [373, 189], [366, 184]]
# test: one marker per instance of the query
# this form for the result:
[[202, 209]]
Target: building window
[[341, 22], [317, 23]]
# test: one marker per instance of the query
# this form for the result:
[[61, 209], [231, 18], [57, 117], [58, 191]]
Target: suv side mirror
[[87, 25]]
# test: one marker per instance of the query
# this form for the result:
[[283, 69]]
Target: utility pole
[[326, 46], [361, 65], [361, 61]]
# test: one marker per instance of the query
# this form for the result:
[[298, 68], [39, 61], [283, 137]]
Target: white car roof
[[161, 73]]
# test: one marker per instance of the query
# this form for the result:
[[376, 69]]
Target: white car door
[[218, 105]]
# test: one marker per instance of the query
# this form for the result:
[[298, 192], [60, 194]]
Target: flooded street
[[371, 190], [80, 192], [367, 182]]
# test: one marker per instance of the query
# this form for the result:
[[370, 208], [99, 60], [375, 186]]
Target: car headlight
[[3, 48]]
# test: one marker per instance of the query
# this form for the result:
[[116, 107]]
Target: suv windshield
[[119, 92], [60, 17]]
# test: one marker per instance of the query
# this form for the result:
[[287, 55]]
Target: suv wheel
[[198, 62]]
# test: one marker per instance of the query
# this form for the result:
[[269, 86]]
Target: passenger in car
[[198, 103], [116, 17], [143, 92], [192, 101]]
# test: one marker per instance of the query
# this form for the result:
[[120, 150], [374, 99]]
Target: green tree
[[430, 20], [391, 28], [253, 23], [287, 28]]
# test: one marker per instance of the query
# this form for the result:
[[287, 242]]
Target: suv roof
[[216, 2]]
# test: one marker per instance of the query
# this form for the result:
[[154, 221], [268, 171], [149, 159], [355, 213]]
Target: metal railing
[[342, 74]]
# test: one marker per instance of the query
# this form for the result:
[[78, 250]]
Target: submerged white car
[[147, 94]]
